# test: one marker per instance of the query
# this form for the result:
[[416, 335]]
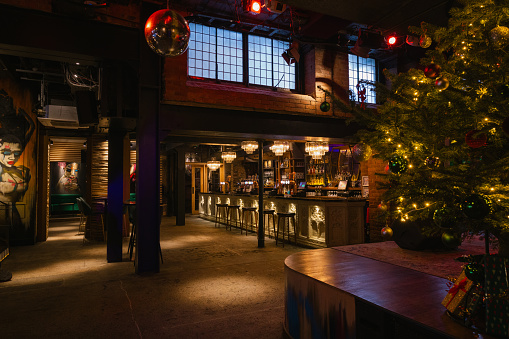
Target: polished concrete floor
[[214, 283]]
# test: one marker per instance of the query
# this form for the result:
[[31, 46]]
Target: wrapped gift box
[[497, 285], [456, 299]]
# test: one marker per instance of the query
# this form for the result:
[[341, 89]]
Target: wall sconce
[[291, 55]]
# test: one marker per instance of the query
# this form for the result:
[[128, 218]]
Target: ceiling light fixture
[[213, 164], [249, 146], [228, 156], [252, 6], [280, 147]]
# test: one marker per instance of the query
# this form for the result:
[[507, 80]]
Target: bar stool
[[270, 213], [251, 213], [229, 211], [284, 216], [223, 210]]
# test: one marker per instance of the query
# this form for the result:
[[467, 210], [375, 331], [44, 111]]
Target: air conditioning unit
[[60, 117]]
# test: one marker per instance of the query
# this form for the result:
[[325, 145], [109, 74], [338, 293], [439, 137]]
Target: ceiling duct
[[60, 117]]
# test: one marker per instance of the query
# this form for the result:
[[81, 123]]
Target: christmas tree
[[443, 128]]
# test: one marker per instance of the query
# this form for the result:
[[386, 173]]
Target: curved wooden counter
[[334, 294]]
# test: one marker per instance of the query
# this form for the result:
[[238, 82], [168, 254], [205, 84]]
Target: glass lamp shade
[[316, 149], [280, 147], [167, 33], [228, 156], [249, 146], [213, 165]]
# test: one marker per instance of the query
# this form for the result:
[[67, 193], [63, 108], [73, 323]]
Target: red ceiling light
[[252, 6], [391, 40]]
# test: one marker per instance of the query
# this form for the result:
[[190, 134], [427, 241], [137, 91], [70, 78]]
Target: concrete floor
[[213, 283]]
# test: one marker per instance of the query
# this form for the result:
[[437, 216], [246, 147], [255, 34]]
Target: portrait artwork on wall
[[17, 163]]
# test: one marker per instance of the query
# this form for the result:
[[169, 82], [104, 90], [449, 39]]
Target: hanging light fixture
[[280, 147], [249, 146], [316, 149], [213, 164], [228, 156]]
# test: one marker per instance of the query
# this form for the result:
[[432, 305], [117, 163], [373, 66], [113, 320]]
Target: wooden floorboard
[[407, 293]]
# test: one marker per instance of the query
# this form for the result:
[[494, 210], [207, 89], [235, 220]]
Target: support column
[[181, 186], [115, 207], [261, 216], [147, 156]]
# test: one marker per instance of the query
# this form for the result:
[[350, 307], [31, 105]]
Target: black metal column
[[114, 219], [181, 186], [261, 216], [147, 156]]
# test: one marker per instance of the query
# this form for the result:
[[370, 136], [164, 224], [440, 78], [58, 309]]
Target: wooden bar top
[[403, 291]]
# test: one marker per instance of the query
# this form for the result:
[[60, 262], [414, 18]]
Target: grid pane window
[[217, 53], [266, 65], [229, 58], [362, 69], [202, 52]]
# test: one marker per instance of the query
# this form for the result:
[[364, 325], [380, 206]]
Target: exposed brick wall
[[375, 166], [181, 90]]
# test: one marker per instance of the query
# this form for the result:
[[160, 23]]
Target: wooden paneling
[[98, 164], [66, 151]]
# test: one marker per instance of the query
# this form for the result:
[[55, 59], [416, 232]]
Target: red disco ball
[[167, 33]]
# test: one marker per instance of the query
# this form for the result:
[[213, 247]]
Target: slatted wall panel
[[65, 151], [98, 184], [132, 156]]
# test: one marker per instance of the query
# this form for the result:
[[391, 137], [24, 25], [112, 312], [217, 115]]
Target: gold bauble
[[499, 36]]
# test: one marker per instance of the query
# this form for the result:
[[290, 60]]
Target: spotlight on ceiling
[[252, 6], [391, 40], [291, 55], [275, 6]]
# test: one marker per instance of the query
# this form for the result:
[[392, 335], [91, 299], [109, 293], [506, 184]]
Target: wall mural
[[17, 163]]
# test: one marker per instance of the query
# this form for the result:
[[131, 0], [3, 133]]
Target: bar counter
[[321, 221]]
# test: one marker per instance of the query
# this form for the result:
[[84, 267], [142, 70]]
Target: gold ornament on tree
[[499, 36], [425, 41]]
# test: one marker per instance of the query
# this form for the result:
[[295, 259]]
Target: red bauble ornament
[[432, 70], [476, 139]]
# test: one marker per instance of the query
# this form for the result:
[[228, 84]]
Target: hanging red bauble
[[476, 139], [432, 70]]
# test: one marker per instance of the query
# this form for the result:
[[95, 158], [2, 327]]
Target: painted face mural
[[14, 177], [68, 182], [17, 161], [10, 153]]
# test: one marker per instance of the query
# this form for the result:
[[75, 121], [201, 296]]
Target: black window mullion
[[215, 55], [245, 59]]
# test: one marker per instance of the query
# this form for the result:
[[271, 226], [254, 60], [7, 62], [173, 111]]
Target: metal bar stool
[[251, 213], [284, 216], [229, 215], [221, 209], [270, 213]]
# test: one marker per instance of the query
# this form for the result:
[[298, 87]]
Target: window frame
[[368, 87], [245, 65]]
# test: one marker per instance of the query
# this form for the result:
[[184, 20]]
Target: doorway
[[198, 185]]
